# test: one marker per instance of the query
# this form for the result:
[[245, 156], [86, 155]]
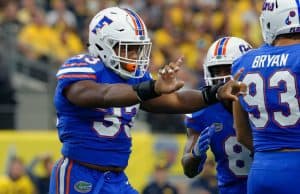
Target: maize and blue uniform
[[272, 102], [98, 136], [233, 159]]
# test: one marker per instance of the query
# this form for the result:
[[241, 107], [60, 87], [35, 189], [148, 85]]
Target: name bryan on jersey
[[263, 61]]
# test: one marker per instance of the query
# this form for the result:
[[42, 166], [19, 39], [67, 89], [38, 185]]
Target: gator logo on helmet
[[104, 21]]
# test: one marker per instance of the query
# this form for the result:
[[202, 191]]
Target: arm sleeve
[[73, 71], [196, 121]]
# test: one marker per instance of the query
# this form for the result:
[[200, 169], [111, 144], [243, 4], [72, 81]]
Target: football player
[[267, 116], [98, 96], [213, 126]]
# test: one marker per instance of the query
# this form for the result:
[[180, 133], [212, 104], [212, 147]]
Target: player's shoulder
[[269, 49], [205, 112], [251, 52], [245, 58], [265, 50], [292, 48], [81, 64], [83, 60]]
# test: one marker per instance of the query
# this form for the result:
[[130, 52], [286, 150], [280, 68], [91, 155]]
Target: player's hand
[[167, 81], [203, 142], [232, 89]]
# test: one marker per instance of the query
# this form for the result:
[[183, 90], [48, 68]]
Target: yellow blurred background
[[148, 150]]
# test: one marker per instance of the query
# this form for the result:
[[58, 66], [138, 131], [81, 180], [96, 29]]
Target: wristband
[[145, 90], [210, 93]]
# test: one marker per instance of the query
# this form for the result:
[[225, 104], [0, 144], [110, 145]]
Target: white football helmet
[[119, 27], [279, 17], [223, 52]]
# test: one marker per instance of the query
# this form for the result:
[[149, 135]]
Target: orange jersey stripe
[[77, 76], [68, 177]]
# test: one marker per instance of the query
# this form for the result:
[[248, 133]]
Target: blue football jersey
[[233, 159], [272, 75], [98, 136]]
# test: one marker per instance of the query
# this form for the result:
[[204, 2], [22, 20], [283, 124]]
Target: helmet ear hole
[[99, 47]]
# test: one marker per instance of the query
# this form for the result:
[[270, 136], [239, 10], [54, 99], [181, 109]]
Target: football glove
[[201, 146], [203, 142]]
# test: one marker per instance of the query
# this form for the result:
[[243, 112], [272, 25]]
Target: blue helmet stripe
[[137, 21]]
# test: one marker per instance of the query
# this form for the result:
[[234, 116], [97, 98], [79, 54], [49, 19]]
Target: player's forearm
[[193, 100], [190, 100], [246, 140], [190, 165], [185, 101], [242, 127], [243, 131]]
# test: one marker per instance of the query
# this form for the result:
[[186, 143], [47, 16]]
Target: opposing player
[[98, 95], [213, 126], [267, 117]]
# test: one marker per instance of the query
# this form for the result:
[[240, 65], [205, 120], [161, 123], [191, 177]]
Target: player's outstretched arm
[[91, 94], [187, 101], [174, 100], [195, 149]]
